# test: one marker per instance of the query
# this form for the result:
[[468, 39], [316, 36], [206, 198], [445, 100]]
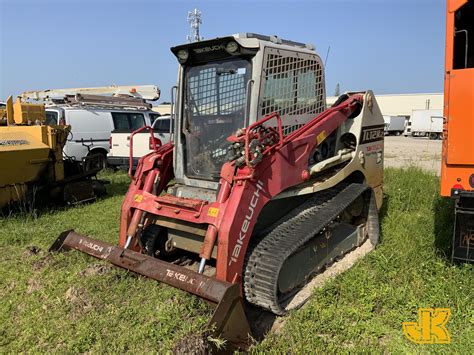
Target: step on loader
[[262, 185]]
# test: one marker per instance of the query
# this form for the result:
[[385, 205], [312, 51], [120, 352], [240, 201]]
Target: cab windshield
[[214, 108]]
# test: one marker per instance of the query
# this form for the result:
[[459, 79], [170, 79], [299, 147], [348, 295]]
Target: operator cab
[[228, 83]]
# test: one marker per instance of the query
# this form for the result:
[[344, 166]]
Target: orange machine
[[457, 167]]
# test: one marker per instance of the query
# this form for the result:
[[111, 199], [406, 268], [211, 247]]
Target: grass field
[[73, 303]]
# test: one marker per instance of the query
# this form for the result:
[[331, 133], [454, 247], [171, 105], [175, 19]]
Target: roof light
[[183, 55], [232, 47]]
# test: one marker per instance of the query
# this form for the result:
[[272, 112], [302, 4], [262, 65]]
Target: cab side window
[[463, 56], [136, 120], [128, 120], [162, 126], [153, 117], [51, 118]]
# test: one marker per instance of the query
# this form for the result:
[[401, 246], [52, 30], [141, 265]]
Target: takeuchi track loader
[[262, 185]]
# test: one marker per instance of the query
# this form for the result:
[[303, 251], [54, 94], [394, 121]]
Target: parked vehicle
[[93, 117], [457, 163], [425, 123], [33, 168], [91, 127], [119, 154], [394, 125]]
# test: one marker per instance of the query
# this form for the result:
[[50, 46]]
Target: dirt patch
[[7, 289], [33, 285], [79, 299], [42, 262], [277, 325], [195, 344], [383, 340], [11, 286], [95, 269], [31, 251], [43, 258]]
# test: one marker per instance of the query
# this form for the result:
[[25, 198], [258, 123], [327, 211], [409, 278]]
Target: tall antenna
[[327, 55], [194, 20]]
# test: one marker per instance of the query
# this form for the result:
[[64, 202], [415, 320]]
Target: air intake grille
[[293, 86]]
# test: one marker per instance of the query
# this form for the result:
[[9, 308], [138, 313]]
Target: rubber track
[[266, 257]]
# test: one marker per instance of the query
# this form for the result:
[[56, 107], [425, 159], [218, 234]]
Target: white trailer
[[394, 125], [425, 123]]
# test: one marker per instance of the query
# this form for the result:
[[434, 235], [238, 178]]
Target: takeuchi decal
[[246, 223]]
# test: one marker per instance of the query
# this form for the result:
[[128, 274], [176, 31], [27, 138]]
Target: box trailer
[[425, 123], [394, 125]]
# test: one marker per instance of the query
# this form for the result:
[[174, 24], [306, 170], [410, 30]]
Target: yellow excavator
[[31, 159]]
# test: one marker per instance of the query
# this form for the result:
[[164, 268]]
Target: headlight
[[183, 55], [232, 47]]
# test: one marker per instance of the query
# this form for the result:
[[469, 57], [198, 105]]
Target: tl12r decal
[[371, 134]]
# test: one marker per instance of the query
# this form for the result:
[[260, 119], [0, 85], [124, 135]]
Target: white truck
[[91, 128], [425, 123], [119, 154], [93, 114], [394, 125]]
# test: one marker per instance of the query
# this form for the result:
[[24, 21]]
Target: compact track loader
[[262, 185]]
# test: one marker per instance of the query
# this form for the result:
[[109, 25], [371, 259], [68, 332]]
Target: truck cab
[[91, 127], [93, 113], [119, 153]]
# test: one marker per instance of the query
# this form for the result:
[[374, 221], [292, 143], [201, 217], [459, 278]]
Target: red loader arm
[[267, 170]]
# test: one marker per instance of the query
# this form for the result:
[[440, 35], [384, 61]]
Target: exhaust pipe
[[228, 320]]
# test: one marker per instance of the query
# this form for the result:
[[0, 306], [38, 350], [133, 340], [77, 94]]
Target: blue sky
[[389, 46]]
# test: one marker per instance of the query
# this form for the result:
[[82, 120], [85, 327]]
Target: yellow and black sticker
[[321, 136], [138, 198], [213, 212]]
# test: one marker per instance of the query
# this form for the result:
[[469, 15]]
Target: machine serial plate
[[5, 142]]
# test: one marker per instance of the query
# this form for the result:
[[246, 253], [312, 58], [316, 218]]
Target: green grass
[[60, 303], [52, 303]]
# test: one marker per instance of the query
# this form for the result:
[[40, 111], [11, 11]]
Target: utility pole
[[194, 20]]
